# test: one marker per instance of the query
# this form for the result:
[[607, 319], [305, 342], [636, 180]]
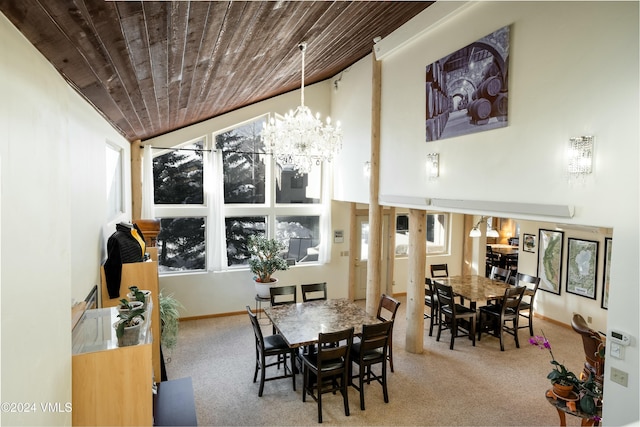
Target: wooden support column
[[136, 180], [375, 211], [415, 288]]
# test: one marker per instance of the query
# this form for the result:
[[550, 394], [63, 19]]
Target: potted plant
[[169, 320], [126, 305], [129, 324], [562, 380], [265, 260], [136, 294]]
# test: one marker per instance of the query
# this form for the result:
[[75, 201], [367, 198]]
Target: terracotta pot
[[562, 390], [262, 289]]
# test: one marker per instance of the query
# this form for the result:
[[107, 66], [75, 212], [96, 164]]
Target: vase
[[262, 289], [562, 390]]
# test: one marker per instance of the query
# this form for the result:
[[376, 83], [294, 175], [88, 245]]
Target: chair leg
[[262, 376], [454, 332], [531, 322], [390, 355], [345, 395], [319, 398], [515, 331], [472, 330], [384, 383], [292, 355], [361, 385], [501, 326], [305, 381]]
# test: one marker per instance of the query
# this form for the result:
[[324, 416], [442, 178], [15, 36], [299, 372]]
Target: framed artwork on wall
[[528, 242], [582, 267], [550, 260], [606, 272], [467, 90]]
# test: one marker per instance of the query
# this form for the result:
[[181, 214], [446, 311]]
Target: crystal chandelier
[[300, 139]]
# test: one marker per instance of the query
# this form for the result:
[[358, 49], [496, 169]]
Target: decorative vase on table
[[262, 289]]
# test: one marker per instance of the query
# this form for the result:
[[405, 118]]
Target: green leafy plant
[[128, 318], [590, 393], [559, 374], [169, 319], [138, 295], [265, 257]]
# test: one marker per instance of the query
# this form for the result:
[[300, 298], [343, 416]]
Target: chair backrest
[[591, 341], [256, 329], [314, 291], [439, 270], [511, 300], [334, 346], [388, 304], [530, 282], [445, 297], [375, 338], [429, 290], [283, 295], [498, 273]]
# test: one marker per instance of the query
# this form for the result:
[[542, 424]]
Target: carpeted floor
[[467, 386]]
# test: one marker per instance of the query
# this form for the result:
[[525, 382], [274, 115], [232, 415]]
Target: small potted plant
[[169, 320], [126, 305], [129, 324], [265, 260], [136, 294]]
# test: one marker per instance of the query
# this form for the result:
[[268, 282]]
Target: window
[[258, 195], [178, 180], [437, 234]]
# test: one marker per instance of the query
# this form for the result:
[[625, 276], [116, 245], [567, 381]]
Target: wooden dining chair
[[283, 295], [494, 318], [330, 366], [439, 270], [454, 316], [267, 347], [371, 350], [592, 343], [430, 301], [387, 309], [314, 291], [526, 305]]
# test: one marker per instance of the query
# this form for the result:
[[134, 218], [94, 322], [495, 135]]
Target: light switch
[[616, 351]]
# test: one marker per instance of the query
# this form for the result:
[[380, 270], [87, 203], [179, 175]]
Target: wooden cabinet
[[111, 385]]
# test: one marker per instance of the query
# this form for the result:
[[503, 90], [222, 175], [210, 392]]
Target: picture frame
[[606, 272], [550, 248], [582, 267], [528, 242]]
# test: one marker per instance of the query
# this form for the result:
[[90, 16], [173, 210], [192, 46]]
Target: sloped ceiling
[[150, 67]]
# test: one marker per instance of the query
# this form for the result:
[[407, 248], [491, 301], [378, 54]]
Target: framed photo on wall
[[528, 242], [606, 272], [582, 267], [550, 260]]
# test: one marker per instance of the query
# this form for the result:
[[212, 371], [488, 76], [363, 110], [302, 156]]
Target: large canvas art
[[467, 91]]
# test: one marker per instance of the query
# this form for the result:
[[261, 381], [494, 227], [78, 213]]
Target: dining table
[[475, 287], [300, 323]]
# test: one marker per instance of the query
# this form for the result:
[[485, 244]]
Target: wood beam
[[414, 340], [375, 211]]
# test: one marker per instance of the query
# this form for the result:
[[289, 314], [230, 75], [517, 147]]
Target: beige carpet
[[469, 386]]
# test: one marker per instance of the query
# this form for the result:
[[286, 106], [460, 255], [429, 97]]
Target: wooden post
[[136, 180], [415, 288], [375, 211]]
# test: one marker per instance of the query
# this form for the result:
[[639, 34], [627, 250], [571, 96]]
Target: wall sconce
[[366, 169], [580, 158], [433, 165]]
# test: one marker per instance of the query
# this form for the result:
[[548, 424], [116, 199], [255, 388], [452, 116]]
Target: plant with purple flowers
[[559, 374]]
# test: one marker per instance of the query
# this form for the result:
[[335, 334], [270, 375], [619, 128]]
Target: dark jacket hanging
[[122, 248]]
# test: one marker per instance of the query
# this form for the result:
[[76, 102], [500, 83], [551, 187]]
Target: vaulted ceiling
[[151, 67]]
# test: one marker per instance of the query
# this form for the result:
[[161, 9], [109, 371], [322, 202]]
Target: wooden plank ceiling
[[150, 67]]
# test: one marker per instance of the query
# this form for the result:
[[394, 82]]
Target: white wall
[[52, 146], [573, 71]]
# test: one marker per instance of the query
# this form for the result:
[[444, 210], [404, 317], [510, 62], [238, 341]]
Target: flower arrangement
[[559, 374]]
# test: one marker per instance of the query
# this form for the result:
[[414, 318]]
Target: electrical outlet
[[620, 377]]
